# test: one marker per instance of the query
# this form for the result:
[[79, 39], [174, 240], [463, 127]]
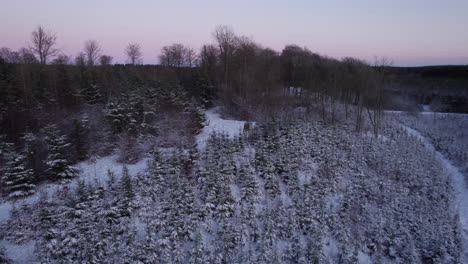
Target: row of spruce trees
[[19, 176]]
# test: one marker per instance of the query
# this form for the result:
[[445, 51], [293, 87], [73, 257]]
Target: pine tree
[[249, 185], [117, 116], [92, 94], [79, 138], [32, 149], [271, 182], [127, 187], [58, 166], [18, 178], [4, 149]]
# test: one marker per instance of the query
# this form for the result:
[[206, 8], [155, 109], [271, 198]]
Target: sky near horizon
[[407, 32]]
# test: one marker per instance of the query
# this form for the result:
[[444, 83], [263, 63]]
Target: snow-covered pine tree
[[249, 185], [271, 182], [117, 116], [127, 186], [92, 94], [199, 253], [18, 178], [58, 166]]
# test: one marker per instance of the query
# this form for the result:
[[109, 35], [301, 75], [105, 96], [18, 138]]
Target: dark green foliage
[[58, 165], [127, 187], [18, 177], [92, 94], [79, 138]]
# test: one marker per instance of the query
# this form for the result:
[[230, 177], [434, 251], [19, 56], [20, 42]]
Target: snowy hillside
[[301, 192], [215, 124], [90, 172]]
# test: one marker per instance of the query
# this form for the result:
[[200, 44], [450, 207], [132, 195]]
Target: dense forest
[[444, 88]]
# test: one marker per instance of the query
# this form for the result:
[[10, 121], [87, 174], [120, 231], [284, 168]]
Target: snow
[[426, 108], [235, 191], [425, 113], [20, 253], [91, 170], [217, 124], [459, 186], [5, 209], [379, 136], [330, 248], [364, 258], [97, 169]]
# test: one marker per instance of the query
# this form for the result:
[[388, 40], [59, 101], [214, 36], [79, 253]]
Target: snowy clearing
[[219, 125], [97, 169]]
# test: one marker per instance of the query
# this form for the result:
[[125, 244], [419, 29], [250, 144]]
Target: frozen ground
[[91, 170], [216, 124]]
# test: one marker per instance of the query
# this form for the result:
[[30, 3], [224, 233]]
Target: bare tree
[[105, 59], [226, 40], [9, 55], [177, 55], [375, 95], [134, 55], [27, 57], [190, 57], [43, 43], [208, 61], [80, 59], [92, 52]]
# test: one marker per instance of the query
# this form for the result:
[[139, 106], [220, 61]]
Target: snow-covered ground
[[426, 108], [311, 141], [97, 169], [217, 124], [91, 170], [459, 186]]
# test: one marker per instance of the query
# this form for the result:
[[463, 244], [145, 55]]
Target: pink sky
[[410, 33]]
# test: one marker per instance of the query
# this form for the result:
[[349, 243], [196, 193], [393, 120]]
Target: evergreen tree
[[92, 94], [127, 187], [79, 138], [117, 117], [58, 166], [18, 179], [4, 149], [32, 151]]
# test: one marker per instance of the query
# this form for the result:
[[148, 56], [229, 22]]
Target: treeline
[[257, 80], [443, 88], [94, 110], [98, 107], [249, 78]]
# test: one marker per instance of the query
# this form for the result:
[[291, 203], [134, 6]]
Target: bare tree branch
[[92, 52], [134, 55], [43, 43]]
